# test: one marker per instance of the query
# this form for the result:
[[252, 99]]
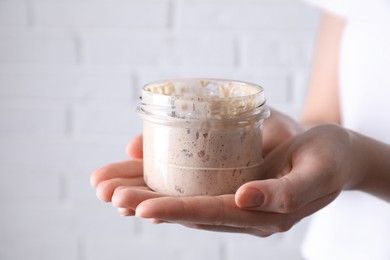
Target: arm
[[305, 171], [322, 102], [323, 106]]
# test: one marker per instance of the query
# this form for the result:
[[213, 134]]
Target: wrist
[[371, 166], [358, 162]]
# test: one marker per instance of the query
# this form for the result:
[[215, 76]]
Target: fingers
[[220, 214], [134, 148], [105, 189], [221, 228], [126, 169], [277, 129], [190, 209], [296, 173], [212, 211], [131, 197], [124, 212]]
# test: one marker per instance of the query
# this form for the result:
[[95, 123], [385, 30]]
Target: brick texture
[[37, 46], [13, 13], [145, 14]]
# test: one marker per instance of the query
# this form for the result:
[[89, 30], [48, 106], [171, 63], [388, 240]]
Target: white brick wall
[[70, 77], [145, 14], [36, 46], [13, 13]]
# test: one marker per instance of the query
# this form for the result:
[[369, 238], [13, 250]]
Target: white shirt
[[357, 225]]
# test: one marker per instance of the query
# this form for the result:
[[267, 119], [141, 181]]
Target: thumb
[[283, 195], [289, 183], [274, 195]]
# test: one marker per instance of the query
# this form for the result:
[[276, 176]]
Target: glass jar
[[201, 136]]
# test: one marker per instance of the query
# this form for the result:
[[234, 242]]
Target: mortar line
[[29, 13]]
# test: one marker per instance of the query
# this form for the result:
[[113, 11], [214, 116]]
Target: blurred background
[[70, 77]]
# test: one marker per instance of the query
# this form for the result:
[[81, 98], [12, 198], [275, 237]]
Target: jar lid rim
[[257, 89]]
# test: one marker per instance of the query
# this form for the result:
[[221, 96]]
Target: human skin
[[305, 174], [306, 167]]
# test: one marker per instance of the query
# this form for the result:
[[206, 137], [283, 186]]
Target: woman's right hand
[[279, 128]]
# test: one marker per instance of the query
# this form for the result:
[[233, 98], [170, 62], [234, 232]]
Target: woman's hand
[[277, 129], [303, 175], [115, 177]]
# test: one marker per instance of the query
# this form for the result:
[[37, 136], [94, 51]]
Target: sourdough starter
[[187, 159]]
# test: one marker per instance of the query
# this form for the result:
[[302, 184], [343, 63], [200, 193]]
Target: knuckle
[[118, 200], [288, 198], [101, 192], [288, 203]]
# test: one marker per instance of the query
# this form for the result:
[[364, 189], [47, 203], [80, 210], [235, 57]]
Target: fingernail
[[252, 198]]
